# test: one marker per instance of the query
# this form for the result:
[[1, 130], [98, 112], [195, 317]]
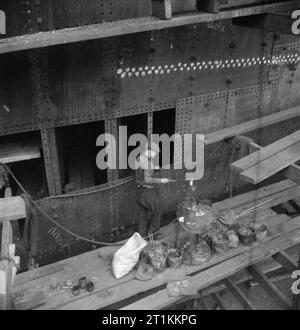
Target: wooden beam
[[266, 152], [123, 27], [238, 294], [161, 299], [293, 173], [285, 261], [51, 160], [272, 165], [162, 9], [14, 152], [270, 288], [6, 298], [219, 301], [251, 125], [12, 208], [271, 22]]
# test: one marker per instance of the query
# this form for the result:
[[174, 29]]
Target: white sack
[[128, 255]]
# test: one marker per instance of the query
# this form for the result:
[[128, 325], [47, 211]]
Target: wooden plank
[[14, 152], [251, 125], [93, 265], [160, 299], [137, 25], [281, 191], [271, 22], [6, 299], [219, 301], [293, 173], [270, 288], [272, 165], [12, 208], [51, 159], [285, 261], [239, 295], [127, 287], [266, 152], [162, 8]]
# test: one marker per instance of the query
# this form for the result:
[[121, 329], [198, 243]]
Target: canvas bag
[[128, 255]]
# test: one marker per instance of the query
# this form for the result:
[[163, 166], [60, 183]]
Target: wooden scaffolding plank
[[92, 264], [266, 152], [15, 152], [219, 301], [251, 125], [239, 295], [161, 299], [126, 287], [270, 288], [12, 208], [285, 261], [123, 27], [272, 165], [293, 173]]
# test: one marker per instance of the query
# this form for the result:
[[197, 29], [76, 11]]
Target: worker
[[148, 197]]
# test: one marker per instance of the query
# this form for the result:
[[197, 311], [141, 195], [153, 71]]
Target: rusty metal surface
[[119, 77]]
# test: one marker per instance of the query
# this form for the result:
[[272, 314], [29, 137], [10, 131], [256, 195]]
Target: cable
[[49, 218], [92, 191]]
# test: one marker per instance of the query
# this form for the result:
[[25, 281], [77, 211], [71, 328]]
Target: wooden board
[[123, 27], [264, 153], [251, 125], [91, 265], [270, 166], [223, 270], [128, 286], [12, 208], [293, 173], [14, 152]]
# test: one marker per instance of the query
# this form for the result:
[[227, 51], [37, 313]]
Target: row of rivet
[[208, 65]]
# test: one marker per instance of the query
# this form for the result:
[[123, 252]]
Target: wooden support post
[[270, 288], [6, 299], [239, 295], [285, 261], [219, 301], [212, 6], [293, 173], [162, 9], [51, 160]]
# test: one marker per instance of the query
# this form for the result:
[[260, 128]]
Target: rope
[[50, 219]]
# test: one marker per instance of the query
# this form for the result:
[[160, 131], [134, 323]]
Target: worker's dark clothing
[[148, 200], [149, 210]]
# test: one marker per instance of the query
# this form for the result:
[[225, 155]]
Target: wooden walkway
[[37, 288]]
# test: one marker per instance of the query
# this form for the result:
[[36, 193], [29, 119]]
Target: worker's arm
[[150, 179]]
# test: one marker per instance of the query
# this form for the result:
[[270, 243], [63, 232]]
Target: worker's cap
[[152, 146]]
